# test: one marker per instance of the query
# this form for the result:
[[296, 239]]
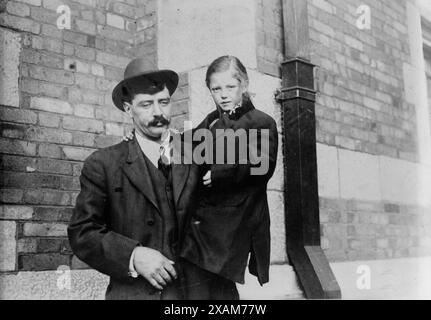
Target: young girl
[[232, 216]]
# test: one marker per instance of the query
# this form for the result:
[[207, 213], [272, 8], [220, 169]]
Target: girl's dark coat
[[232, 216]]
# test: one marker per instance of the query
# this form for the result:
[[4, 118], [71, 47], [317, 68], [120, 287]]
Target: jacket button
[[150, 222]]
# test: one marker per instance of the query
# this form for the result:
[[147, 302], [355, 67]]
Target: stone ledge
[[53, 285], [7, 246], [91, 285]]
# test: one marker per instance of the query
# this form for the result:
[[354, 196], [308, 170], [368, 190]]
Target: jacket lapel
[[180, 170], [180, 173], [136, 170]]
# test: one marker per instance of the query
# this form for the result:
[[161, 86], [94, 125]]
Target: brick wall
[[59, 112], [269, 36], [361, 106], [361, 103], [364, 230]]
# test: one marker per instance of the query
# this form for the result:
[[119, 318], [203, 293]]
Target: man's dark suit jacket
[[232, 216], [117, 210]]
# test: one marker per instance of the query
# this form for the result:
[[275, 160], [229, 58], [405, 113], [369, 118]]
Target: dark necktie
[[164, 162], [164, 168]]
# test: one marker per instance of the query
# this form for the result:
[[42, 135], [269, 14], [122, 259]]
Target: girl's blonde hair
[[225, 63]]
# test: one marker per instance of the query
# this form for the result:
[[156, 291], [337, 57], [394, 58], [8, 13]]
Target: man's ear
[[127, 108]]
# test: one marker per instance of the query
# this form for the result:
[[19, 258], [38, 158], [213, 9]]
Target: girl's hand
[[207, 179], [128, 136]]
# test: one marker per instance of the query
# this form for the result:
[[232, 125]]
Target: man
[[129, 215]]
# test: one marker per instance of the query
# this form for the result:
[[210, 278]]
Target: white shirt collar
[[151, 148]]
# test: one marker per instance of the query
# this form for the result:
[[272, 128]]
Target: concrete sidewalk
[[403, 279]]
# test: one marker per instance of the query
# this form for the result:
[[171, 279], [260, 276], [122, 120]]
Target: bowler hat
[[141, 76]]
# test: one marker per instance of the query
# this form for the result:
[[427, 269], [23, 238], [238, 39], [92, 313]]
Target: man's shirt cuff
[[132, 270]]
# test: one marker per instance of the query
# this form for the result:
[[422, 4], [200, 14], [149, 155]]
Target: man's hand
[[207, 179], [154, 267]]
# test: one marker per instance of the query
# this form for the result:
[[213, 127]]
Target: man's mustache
[[158, 120]]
